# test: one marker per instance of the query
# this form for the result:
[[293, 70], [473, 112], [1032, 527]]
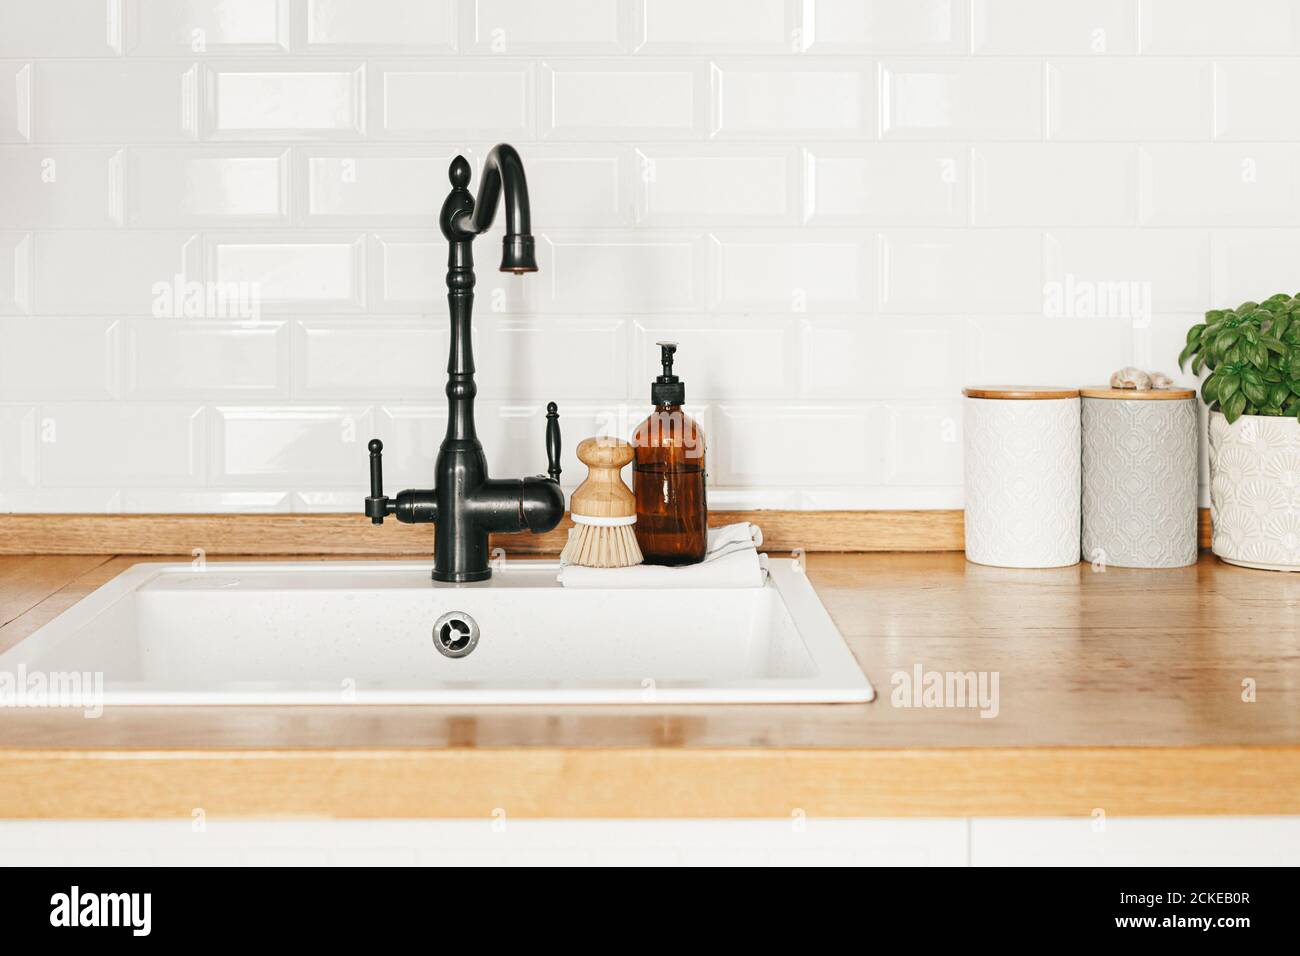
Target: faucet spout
[[503, 172]]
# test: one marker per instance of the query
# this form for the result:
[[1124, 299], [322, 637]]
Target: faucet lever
[[553, 441], [377, 501]]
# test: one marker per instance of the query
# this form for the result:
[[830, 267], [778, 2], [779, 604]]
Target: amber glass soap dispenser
[[668, 475]]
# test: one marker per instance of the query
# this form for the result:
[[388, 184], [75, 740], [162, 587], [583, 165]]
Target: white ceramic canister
[[1140, 477], [1022, 476], [1255, 491]]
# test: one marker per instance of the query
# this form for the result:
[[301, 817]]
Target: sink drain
[[455, 634]]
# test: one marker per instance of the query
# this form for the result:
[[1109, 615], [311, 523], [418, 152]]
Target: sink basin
[[383, 633]]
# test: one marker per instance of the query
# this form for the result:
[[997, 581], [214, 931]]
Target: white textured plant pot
[[1022, 477], [1255, 491], [1140, 479]]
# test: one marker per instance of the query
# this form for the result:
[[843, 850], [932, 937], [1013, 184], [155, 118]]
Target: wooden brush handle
[[603, 494]]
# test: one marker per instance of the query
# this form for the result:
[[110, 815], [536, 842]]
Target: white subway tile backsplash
[[720, 357], [961, 99], [101, 101], [221, 270], [140, 444], [603, 99], [271, 445], [402, 26], [1055, 26], [88, 272], [308, 101], [813, 97], [1210, 26], [755, 444], [1096, 269], [1250, 265], [773, 272], [190, 27], [1129, 98], [15, 272], [15, 102], [18, 424], [1245, 99], [748, 26], [1221, 185], [706, 187], [206, 186], [61, 28], [959, 271], [312, 271], [458, 100], [49, 357], [189, 358], [892, 26], [558, 26], [883, 357], [1054, 184], [60, 187], [385, 185], [896, 184]]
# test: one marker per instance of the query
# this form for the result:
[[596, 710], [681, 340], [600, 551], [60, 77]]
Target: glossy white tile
[[207, 186], [961, 271], [1055, 26], [464, 101], [557, 27], [374, 185], [89, 272], [628, 272], [180, 501], [18, 427], [49, 357], [711, 187], [138, 444], [734, 26], [309, 271], [1127, 271], [272, 445], [277, 100], [15, 272], [199, 27], [1245, 99], [15, 102], [893, 26], [1251, 264], [882, 357], [1077, 351], [1054, 184], [612, 99], [1209, 26], [1256, 184], [813, 97], [371, 357], [79, 501], [756, 444], [1129, 98], [196, 358], [961, 99], [400, 26], [61, 28], [896, 184], [102, 101], [720, 357], [60, 187], [583, 185], [925, 444], [773, 272]]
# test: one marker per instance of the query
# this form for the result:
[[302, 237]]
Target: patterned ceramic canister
[[1139, 477], [1022, 476], [1255, 491]]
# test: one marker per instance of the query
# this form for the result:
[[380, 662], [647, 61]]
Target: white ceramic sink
[[364, 633]]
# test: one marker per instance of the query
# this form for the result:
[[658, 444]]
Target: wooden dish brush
[[603, 509]]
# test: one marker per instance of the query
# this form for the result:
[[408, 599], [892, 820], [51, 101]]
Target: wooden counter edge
[[649, 782]]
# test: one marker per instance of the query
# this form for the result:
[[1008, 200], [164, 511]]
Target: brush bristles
[[593, 546]]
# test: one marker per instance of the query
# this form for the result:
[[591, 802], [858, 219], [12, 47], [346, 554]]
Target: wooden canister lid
[[1019, 392], [1139, 394]]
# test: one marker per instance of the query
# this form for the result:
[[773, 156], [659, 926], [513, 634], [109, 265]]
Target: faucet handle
[[553, 441], [377, 502]]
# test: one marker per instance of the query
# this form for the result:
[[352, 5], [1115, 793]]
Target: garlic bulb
[[1130, 377]]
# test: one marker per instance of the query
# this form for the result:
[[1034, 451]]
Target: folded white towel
[[731, 560]]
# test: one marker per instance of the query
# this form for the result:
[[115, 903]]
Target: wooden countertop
[[1120, 690]]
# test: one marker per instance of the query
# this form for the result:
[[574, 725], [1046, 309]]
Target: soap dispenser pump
[[668, 474]]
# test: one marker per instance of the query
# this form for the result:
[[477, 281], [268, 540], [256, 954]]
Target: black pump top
[[667, 389]]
